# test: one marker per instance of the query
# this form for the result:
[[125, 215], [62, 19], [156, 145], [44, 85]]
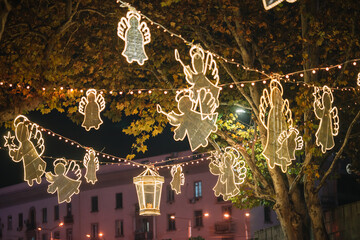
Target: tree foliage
[[73, 44]]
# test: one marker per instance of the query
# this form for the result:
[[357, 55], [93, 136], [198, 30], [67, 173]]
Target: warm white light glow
[[65, 186], [148, 188], [172, 217], [206, 214], [328, 116], [247, 214], [282, 138], [91, 106], [136, 34], [226, 215]]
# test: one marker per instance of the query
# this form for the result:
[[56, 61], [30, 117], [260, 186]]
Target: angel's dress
[[276, 124], [324, 135], [200, 81], [176, 182], [134, 50], [65, 186], [91, 172], [92, 117], [191, 124], [34, 166]]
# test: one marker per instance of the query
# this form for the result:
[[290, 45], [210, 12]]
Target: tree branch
[[301, 173], [338, 154], [3, 15]]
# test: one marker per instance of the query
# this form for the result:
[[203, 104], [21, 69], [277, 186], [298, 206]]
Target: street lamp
[[51, 229]]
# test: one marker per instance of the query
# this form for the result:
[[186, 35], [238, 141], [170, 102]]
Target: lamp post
[[51, 229]]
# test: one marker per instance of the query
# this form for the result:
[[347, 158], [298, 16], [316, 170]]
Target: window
[[171, 222], [119, 228], [94, 230], [69, 234], [44, 236], [197, 189], [220, 199], [198, 218], [21, 221], [170, 196], [119, 200], [56, 213], [267, 214], [44, 215], [57, 235], [68, 209], [9, 226], [94, 204]]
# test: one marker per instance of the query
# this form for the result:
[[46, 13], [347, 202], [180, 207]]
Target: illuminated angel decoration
[[65, 186], [178, 178], [197, 78], [190, 122], [230, 168], [282, 138], [91, 163], [91, 106], [29, 149], [329, 119], [268, 4], [135, 35]]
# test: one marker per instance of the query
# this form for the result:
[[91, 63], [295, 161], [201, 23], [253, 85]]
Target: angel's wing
[[210, 64], [96, 160], [86, 159], [83, 102], [101, 101], [264, 105], [335, 117], [287, 113], [122, 26], [74, 167], [36, 138], [146, 32]]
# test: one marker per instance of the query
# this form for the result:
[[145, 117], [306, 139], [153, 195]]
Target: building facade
[[109, 209]]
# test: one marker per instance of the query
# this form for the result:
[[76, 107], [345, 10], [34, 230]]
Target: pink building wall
[[118, 179]]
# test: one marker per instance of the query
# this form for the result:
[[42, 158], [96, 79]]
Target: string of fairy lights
[[112, 159], [292, 78]]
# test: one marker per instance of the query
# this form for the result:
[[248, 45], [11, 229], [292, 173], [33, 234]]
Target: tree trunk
[[315, 210]]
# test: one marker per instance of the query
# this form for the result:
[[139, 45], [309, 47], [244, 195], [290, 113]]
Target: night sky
[[109, 139]]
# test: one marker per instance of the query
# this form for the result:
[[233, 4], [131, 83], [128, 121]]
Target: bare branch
[[338, 154]]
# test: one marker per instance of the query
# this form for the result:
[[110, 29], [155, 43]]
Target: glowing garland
[[287, 78]]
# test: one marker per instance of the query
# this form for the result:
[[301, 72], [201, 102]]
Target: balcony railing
[[224, 227]]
